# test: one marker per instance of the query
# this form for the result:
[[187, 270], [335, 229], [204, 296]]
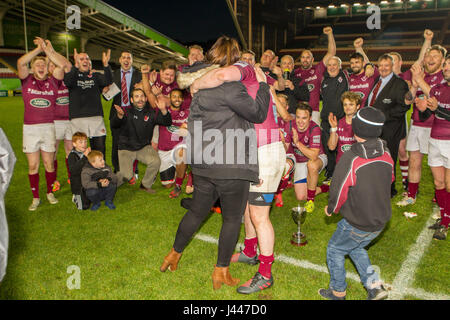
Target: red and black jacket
[[361, 186]]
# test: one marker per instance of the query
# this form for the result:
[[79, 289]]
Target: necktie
[[374, 93], [124, 88]]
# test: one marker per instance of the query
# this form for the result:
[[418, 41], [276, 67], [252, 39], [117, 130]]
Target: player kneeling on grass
[[136, 132], [341, 133], [77, 159], [309, 156], [171, 147], [361, 191], [99, 181]]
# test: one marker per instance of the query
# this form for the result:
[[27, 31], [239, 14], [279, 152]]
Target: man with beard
[[419, 135], [135, 134], [437, 101], [85, 106], [313, 74]]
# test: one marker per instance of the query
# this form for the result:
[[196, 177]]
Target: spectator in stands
[[39, 93], [437, 101], [334, 84], [135, 134], [296, 90], [77, 160], [99, 181], [63, 129], [225, 107], [125, 79], [366, 166], [313, 74], [85, 106], [389, 96], [418, 138]]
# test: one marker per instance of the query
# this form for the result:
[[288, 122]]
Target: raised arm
[[22, 63], [145, 70], [62, 64], [331, 44]]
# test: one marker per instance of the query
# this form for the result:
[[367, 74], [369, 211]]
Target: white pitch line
[[285, 259], [405, 276]]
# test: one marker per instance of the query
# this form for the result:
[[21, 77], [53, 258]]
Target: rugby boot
[[170, 261], [255, 284], [221, 275]]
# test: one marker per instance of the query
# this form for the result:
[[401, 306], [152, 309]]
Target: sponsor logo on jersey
[[345, 147], [62, 101], [40, 103], [310, 87]]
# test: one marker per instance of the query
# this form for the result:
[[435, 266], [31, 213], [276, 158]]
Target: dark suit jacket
[[391, 101], [136, 77]]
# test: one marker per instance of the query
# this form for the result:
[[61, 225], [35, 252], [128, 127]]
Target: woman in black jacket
[[222, 152]]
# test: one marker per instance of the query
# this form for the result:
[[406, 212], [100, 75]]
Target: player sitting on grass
[[341, 132], [76, 160], [309, 155], [99, 181]]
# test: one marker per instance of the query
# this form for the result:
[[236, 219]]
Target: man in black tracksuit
[[135, 135], [334, 84], [360, 191]]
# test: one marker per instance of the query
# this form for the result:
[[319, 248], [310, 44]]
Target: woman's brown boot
[[170, 261], [222, 275]]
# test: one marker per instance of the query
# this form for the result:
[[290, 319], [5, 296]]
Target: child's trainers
[[110, 204], [309, 206], [379, 293], [95, 206], [328, 294]]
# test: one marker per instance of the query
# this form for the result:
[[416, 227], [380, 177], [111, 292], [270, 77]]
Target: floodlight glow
[[331, 6], [356, 4]]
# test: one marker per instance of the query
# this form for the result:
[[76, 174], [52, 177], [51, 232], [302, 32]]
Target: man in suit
[[125, 78], [389, 95]]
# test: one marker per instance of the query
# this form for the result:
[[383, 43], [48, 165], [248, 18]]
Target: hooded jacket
[[222, 139], [361, 186], [89, 176]]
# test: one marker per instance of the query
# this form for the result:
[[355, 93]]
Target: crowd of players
[[149, 120]]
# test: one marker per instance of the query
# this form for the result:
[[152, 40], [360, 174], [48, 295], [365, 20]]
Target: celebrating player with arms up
[[39, 95]]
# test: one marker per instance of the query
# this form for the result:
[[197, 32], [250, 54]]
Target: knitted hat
[[368, 123]]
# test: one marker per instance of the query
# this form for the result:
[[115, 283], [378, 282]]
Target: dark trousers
[[233, 195], [99, 144], [100, 194], [115, 149], [392, 143], [331, 154]]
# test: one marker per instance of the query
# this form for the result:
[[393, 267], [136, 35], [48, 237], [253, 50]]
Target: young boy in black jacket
[[99, 181], [77, 159], [360, 191]]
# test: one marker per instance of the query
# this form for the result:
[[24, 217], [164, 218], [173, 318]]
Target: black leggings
[[233, 195], [98, 143]]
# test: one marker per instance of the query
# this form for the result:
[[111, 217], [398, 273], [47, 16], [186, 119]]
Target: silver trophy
[[299, 216]]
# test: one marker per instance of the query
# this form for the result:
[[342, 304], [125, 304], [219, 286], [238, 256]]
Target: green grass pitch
[[119, 252]]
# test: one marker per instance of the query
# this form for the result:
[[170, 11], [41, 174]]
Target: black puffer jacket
[[222, 138]]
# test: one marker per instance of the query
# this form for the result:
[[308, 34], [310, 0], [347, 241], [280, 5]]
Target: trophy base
[[298, 240]]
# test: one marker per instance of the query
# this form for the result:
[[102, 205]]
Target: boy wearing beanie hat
[[361, 192]]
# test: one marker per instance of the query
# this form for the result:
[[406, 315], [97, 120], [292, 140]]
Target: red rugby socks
[[265, 265], [50, 177], [34, 184], [250, 246], [412, 189]]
